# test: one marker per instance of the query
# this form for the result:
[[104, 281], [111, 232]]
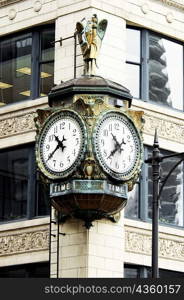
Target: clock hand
[[123, 142], [52, 153], [60, 143]]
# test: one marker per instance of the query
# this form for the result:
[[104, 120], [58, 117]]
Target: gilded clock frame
[[52, 175], [125, 176]]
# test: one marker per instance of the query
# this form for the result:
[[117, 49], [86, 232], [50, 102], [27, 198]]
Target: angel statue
[[90, 38]]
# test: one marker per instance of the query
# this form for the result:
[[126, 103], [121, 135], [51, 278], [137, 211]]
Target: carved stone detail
[[175, 3], [141, 243], [24, 242], [8, 2], [16, 125], [166, 129]]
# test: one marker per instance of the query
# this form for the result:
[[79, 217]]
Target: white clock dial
[[62, 143], [117, 145]]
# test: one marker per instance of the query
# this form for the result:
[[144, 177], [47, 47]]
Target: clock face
[[61, 144], [117, 145]]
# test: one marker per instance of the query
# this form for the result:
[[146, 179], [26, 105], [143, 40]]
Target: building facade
[[143, 50]]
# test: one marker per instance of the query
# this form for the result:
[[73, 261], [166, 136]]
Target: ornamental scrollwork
[[24, 242], [16, 125], [141, 243]]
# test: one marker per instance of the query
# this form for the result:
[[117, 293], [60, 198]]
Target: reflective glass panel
[[132, 207], [165, 72], [47, 47], [13, 184], [171, 201], [46, 78], [132, 79], [133, 45], [15, 69]]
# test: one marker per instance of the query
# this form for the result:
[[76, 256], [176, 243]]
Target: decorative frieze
[[140, 242], [167, 129], [175, 3], [24, 242], [17, 125], [7, 2]]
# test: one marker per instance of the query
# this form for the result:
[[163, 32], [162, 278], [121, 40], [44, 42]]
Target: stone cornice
[[7, 2], [178, 3]]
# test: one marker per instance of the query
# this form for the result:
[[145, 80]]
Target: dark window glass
[[26, 65], [133, 60], [132, 207], [137, 271], [47, 61], [37, 270], [21, 196], [171, 201], [15, 69], [165, 72], [131, 271], [14, 174]]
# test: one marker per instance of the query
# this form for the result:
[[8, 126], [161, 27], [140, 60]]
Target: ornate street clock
[[117, 145], [61, 144], [88, 143]]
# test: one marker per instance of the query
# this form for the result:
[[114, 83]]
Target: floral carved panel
[[16, 125], [141, 243], [167, 129], [24, 242]]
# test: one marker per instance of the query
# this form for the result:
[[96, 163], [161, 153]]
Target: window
[[36, 270], [152, 73], [137, 271], [172, 197], [21, 195], [26, 65]]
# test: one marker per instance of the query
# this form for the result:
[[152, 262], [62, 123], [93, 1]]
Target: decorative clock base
[[88, 200]]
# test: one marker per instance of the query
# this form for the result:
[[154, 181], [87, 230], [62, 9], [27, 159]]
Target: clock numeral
[[132, 148], [123, 164], [54, 163], [128, 138], [105, 153], [74, 152], [47, 147], [61, 164], [68, 159], [102, 142], [116, 126], [116, 165], [110, 158], [110, 127], [105, 132], [62, 125], [69, 126], [129, 158], [74, 131], [55, 129], [77, 141], [51, 137]]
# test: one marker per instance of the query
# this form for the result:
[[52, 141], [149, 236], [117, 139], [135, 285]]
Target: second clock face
[[117, 145], [62, 144]]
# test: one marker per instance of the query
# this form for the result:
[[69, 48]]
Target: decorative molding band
[[167, 129], [7, 2], [24, 242], [175, 3], [17, 125], [141, 243]]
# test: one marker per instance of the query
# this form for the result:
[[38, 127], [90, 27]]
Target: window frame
[[36, 60], [144, 64], [32, 186]]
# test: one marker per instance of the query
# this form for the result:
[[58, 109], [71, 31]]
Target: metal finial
[[156, 144]]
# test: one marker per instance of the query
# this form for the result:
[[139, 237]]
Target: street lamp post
[[155, 161]]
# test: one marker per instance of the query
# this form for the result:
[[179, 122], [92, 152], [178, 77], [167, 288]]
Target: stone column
[[83, 253]]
